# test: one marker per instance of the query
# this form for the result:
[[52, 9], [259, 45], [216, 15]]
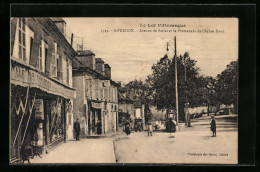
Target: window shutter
[[13, 31], [34, 53]]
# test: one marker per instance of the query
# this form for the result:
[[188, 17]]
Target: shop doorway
[[93, 121], [96, 121]]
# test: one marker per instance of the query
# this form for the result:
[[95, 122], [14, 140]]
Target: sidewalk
[[83, 151], [107, 135]]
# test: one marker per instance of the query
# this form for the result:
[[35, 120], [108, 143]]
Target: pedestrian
[[150, 129], [139, 126], [127, 127], [99, 129], [213, 126], [77, 129]]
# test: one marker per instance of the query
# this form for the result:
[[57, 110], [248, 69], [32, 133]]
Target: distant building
[[139, 110], [40, 85], [96, 94], [125, 107], [138, 106]]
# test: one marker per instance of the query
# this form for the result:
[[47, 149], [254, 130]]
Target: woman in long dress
[[127, 128], [213, 126]]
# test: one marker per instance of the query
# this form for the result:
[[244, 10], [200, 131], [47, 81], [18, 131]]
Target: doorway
[[96, 115]]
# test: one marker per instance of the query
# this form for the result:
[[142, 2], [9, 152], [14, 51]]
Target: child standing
[[150, 129]]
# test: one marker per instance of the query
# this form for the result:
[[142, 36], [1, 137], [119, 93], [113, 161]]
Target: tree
[[142, 92], [162, 84], [211, 94], [227, 85]]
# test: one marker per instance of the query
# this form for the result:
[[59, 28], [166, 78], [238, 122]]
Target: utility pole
[[176, 85], [186, 54], [71, 43], [82, 45]]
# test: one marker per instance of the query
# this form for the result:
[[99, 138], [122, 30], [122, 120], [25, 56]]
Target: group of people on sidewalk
[[128, 128], [76, 127]]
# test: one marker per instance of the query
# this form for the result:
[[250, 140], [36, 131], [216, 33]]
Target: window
[[55, 57], [40, 57], [57, 64], [45, 58], [31, 45], [68, 74], [55, 47], [21, 30]]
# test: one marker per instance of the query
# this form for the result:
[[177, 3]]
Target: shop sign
[[28, 77], [39, 113], [96, 105]]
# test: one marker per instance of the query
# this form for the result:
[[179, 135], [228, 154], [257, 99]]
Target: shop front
[[39, 113], [95, 119]]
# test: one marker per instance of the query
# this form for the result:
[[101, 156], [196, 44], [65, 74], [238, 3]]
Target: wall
[[79, 103], [138, 112], [45, 36], [126, 108], [70, 73], [70, 130], [88, 61]]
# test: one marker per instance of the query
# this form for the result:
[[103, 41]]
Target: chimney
[[107, 71], [119, 83], [87, 58], [60, 23], [100, 66]]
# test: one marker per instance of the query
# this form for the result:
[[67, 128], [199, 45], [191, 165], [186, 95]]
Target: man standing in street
[[150, 129], [77, 128], [213, 126]]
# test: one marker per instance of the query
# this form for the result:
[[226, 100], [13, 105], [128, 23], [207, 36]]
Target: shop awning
[[24, 75]]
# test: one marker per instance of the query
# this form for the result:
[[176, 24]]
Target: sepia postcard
[[123, 90]]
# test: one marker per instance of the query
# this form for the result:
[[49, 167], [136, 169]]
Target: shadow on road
[[230, 130], [206, 137]]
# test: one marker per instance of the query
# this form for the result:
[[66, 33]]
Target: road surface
[[190, 145]]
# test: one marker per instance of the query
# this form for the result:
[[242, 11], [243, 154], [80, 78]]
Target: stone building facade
[[125, 108], [41, 90], [96, 95], [138, 107]]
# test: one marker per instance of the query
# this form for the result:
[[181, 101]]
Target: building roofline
[[95, 73], [82, 51], [99, 60], [60, 35], [58, 20], [124, 99], [107, 65]]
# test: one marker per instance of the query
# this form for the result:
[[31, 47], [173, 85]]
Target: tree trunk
[[208, 109]]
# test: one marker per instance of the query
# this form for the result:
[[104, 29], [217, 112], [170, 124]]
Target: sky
[[132, 54]]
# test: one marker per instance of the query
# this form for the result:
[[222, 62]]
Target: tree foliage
[[142, 92], [197, 90], [162, 84], [227, 85]]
